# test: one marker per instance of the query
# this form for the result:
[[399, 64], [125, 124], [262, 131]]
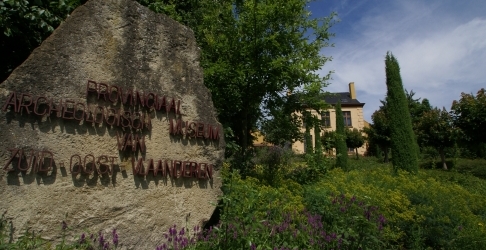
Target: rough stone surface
[[118, 43]]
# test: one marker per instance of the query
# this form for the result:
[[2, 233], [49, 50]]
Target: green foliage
[[272, 164], [248, 203], [475, 167], [416, 108], [354, 139], [404, 147], [28, 240], [341, 149], [257, 216], [360, 224], [184, 11], [469, 114], [317, 138], [329, 141], [364, 207], [433, 208], [307, 136], [253, 52], [25, 24], [378, 134], [435, 129], [283, 128], [379, 131], [231, 147]]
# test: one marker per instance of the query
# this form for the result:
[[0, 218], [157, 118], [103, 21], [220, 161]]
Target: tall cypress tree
[[341, 149], [404, 147]]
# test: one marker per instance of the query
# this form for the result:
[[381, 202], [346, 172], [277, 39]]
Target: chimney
[[352, 92]]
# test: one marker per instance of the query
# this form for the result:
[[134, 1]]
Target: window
[[350, 150], [347, 119], [326, 119]]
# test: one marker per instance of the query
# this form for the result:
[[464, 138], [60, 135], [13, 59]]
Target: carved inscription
[[127, 109]]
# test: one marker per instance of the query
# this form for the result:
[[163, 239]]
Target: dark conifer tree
[[341, 149], [404, 146]]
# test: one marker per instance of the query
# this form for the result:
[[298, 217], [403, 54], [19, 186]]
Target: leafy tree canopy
[[25, 24], [469, 115], [253, 53], [435, 129], [354, 139]]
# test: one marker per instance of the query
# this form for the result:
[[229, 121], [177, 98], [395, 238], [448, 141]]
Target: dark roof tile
[[345, 98]]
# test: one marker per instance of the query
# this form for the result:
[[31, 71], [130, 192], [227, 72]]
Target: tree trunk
[[386, 155], [442, 158], [356, 153]]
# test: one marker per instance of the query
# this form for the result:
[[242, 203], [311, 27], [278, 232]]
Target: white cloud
[[440, 54]]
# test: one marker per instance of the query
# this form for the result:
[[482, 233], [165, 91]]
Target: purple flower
[[81, 240], [102, 239], [115, 237]]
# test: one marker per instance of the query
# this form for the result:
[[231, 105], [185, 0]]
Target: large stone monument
[[108, 125]]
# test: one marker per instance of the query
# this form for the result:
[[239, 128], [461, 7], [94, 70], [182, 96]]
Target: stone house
[[352, 113]]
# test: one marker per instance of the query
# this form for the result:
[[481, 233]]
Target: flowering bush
[[364, 208], [431, 209]]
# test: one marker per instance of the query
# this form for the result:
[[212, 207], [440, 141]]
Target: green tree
[[416, 107], [329, 141], [283, 128], [25, 24], [379, 131], [254, 52], [404, 146], [435, 129], [469, 114], [341, 149], [354, 139]]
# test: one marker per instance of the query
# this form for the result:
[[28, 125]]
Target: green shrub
[[476, 167], [436, 164], [421, 210], [359, 223], [271, 165]]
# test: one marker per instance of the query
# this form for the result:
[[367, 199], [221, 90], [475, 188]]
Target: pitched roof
[[345, 98]]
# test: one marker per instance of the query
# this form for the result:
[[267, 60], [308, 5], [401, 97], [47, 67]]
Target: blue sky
[[440, 46]]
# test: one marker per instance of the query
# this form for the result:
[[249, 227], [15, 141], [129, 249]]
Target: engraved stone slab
[[108, 125]]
